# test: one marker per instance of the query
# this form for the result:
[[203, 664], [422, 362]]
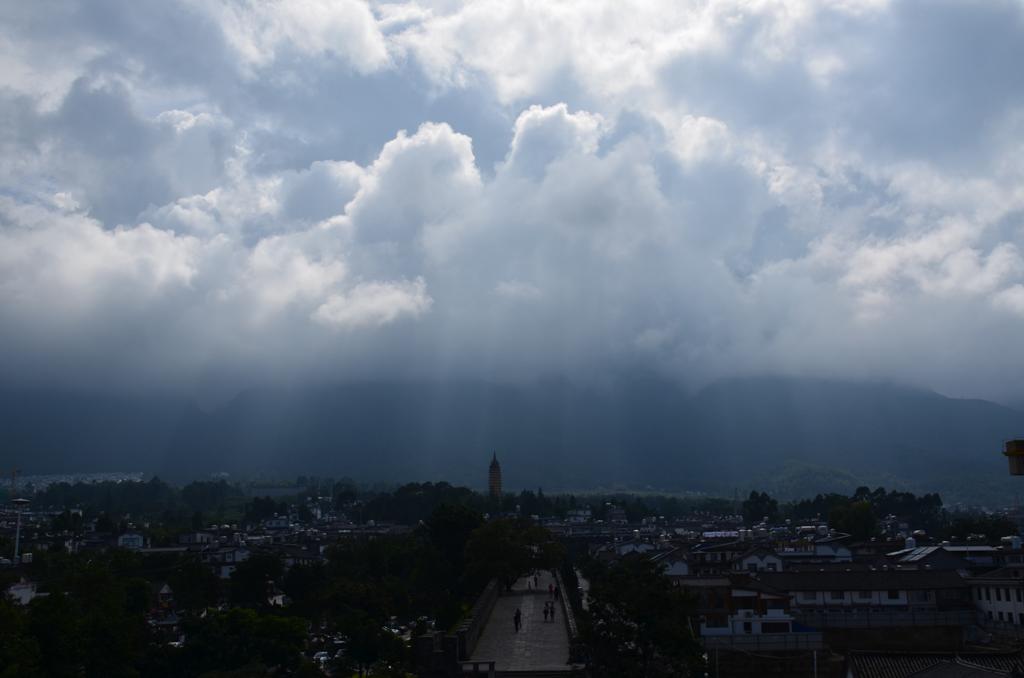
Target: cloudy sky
[[197, 192]]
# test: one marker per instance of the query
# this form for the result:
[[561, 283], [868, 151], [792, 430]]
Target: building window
[[747, 627], [919, 596], [716, 621], [1021, 619], [752, 567], [775, 627], [988, 594], [1019, 596], [770, 567], [893, 594], [979, 594], [1006, 593], [835, 595], [989, 613], [1000, 616], [999, 594]]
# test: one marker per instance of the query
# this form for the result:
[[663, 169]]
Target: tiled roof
[[727, 546], [864, 580], [1011, 572], [932, 664], [956, 669], [914, 554]]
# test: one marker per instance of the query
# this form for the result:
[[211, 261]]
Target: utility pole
[[19, 504]]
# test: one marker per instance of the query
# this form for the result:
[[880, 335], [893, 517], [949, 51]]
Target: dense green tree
[[195, 586], [209, 496], [638, 622], [507, 549], [87, 629], [759, 506], [345, 492], [226, 641], [67, 521], [138, 595], [857, 519], [252, 578], [150, 497], [372, 649], [449, 528], [19, 651], [921, 512], [994, 527], [414, 502], [261, 508]]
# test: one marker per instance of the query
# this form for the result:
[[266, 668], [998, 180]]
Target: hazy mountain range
[[794, 437]]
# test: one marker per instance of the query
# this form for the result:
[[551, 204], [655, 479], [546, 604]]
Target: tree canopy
[[638, 623]]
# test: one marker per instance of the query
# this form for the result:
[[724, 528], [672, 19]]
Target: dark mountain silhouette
[[634, 432]]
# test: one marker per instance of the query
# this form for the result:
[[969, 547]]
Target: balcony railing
[[865, 619], [766, 642]]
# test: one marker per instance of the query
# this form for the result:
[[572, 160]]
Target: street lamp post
[[1014, 452]]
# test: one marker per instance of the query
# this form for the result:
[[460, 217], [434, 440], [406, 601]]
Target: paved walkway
[[539, 645]]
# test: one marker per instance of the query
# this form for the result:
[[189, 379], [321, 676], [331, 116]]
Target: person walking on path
[[552, 612], [545, 613], [551, 589], [535, 584], [517, 619]]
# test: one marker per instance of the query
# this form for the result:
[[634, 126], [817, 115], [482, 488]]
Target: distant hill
[[636, 432]]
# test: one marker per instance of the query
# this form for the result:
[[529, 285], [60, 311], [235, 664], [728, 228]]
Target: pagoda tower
[[494, 478]]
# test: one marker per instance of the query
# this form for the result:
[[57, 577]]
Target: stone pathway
[[539, 645]]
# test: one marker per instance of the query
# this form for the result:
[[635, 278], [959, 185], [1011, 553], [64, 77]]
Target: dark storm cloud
[[322, 190]]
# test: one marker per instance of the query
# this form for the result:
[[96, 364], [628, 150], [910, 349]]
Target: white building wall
[[1000, 601], [854, 598]]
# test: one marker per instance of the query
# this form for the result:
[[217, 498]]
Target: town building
[[133, 541], [999, 595]]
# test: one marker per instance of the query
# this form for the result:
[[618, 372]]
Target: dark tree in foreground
[[992, 526], [638, 623], [857, 519], [252, 578], [507, 549], [759, 506]]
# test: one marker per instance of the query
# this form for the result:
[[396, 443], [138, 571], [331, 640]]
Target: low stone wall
[[469, 629], [576, 649], [440, 654]]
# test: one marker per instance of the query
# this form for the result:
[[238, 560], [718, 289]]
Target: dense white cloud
[[512, 189], [260, 29], [374, 304]]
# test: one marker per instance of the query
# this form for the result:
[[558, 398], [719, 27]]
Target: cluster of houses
[[807, 600], [220, 547], [770, 600]]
